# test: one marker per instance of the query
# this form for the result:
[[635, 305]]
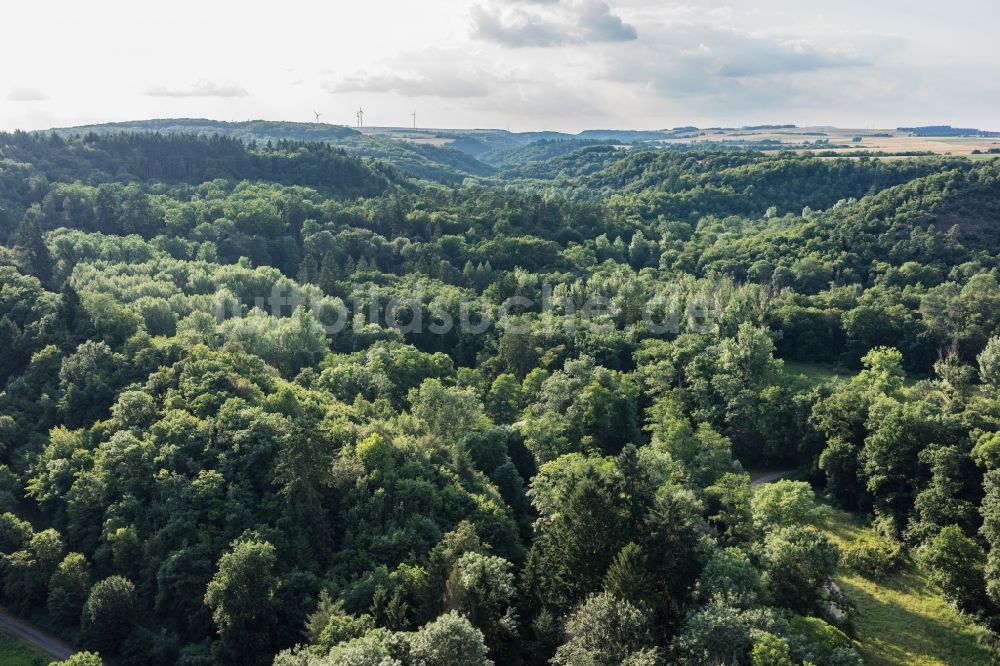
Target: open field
[[411, 137], [841, 140], [903, 619], [837, 139]]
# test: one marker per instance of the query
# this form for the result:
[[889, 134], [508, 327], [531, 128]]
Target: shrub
[[873, 558]]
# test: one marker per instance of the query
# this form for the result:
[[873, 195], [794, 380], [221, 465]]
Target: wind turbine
[[317, 115], [361, 117], [414, 114]]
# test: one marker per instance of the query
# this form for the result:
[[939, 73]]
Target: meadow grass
[[903, 619], [15, 652], [815, 373]]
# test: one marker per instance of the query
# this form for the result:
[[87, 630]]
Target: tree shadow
[[891, 633]]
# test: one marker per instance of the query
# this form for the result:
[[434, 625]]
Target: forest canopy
[[273, 400]]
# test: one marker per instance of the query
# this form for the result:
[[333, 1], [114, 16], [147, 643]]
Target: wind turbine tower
[[414, 114], [317, 115], [361, 117]]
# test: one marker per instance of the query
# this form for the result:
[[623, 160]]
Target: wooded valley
[[350, 400]]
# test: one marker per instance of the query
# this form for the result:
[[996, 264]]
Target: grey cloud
[[764, 58], [704, 59], [600, 25], [550, 23], [519, 28], [697, 67], [25, 94], [200, 89]]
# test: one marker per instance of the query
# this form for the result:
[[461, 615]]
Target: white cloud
[[202, 88], [25, 94]]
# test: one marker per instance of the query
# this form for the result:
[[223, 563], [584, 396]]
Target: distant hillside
[[947, 130], [251, 130], [414, 159], [571, 164], [684, 185], [892, 224], [539, 151], [29, 162], [625, 135], [418, 152]]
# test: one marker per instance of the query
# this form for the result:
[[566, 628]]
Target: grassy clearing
[[815, 373], [903, 619], [15, 652]]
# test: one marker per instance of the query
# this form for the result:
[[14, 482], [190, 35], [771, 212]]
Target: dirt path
[[36, 637], [769, 477]]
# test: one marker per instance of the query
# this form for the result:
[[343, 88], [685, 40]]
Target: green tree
[[798, 562], [68, 590], [241, 597], [943, 501], [517, 349], [628, 577], [729, 505], [546, 436], [579, 541], [989, 364], [14, 533], [678, 546], [72, 315], [898, 432], [87, 380], [26, 572], [450, 640], [505, 399], [481, 588], [730, 579], [605, 630], [330, 624], [450, 413], [990, 531], [109, 614], [782, 503], [32, 253], [883, 371], [770, 650], [714, 634], [328, 272], [956, 563], [80, 659]]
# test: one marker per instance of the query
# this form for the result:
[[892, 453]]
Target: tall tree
[[32, 254], [241, 596]]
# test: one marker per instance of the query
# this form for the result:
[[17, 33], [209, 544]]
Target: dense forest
[[274, 401]]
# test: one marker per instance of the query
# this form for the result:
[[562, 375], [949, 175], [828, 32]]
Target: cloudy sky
[[523, 64]]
